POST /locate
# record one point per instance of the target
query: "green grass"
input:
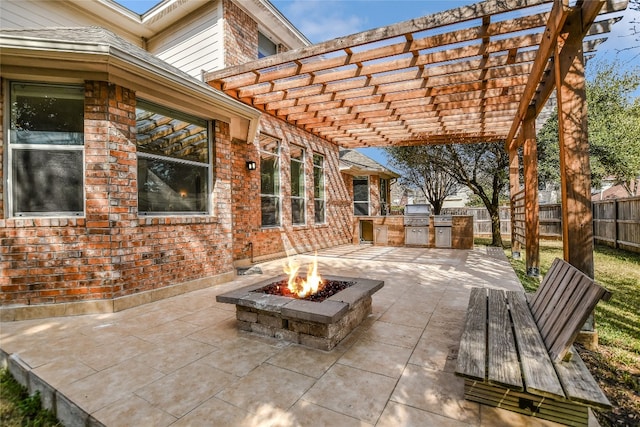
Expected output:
(19, 409)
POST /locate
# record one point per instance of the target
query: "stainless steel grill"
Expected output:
(417, 215)
(443, 221)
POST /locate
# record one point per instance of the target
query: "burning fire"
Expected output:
(299, 286)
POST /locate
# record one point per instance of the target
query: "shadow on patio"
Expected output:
(182, 361)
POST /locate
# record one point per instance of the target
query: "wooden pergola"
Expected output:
(478, 73)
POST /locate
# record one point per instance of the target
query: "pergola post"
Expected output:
(514, 187)
(575, 173)
(532, 211)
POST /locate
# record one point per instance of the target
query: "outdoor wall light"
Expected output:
(251, 165)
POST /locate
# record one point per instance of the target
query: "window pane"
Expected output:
(361, 208)
(173, 161)
(270, 211)
(318, 183)
(47, 181)
(45, 114)
(168, 186)
(171, 134)
(319, 209)
(297, 211)
(269, 175)
(265, 46)
(361, 190)
(297, 179)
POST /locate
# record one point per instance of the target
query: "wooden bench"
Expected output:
(516, 353)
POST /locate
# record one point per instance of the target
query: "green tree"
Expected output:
(614, 128)
(483, 168)
(434, 183)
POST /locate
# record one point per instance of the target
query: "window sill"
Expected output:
(177, 220)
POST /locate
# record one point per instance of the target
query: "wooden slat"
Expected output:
(472, 352)
(578, 383)
(537, 370)
(502, 359)
(560, 411)
(544, 288)
(583, 308)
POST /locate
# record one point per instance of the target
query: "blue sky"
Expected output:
(322, 20)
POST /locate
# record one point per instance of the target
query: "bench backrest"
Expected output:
(562, 304)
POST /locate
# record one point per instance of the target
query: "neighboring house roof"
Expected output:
(95, 53)
(614, 192)
(353, 162)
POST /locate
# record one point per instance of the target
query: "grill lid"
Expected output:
(418, 209)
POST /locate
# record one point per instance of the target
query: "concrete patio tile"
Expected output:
(449, 332)
(167, 332)
(304, 360)
(406, 314)
(62, 371)
(396, 414)
(267, 386)
(377, 357)
(434, 391)
(209, 316)
(225, 331)
(388, 333)
(215, 412)
(434, 354)
(183, 390)
(107, 355)
(168, 357)
(353, 392)
(241, 356)
(307, 414)
(131, 411)
(105, 387)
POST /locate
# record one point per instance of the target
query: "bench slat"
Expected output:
(566, 300)
(543, 293)
(565, 275)
(537, 369)
(503, 367)
(472, 352)
(578, 383)
(565, 335)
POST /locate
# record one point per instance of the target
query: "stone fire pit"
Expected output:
(319, 325)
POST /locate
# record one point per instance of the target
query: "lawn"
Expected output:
(616, 363)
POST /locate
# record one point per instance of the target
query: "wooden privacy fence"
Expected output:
(616, 223)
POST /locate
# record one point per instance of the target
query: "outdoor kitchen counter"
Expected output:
(390, 231)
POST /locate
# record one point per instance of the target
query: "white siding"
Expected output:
(27, 14)
(194, 44)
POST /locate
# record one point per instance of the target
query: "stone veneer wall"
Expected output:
(111, 252)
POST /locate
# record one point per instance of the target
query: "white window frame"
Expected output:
(208, 165)
(322, 197)
(277, 196)
(303, 196)
(11, 148)
(362, 202)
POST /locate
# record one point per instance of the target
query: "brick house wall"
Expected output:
(240, 35)
(112, 258)
(111, 252)
(250, 239)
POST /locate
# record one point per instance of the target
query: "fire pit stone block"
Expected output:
(320, 325)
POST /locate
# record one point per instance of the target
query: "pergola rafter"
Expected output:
(462, 75)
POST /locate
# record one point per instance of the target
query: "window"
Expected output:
(173, 161)
(298, 216)
(361, 195)
(318, 189)
(46, 150)
(384, 197)
(270, 181)
(265, 46)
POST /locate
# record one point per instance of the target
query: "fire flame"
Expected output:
(299, 286)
